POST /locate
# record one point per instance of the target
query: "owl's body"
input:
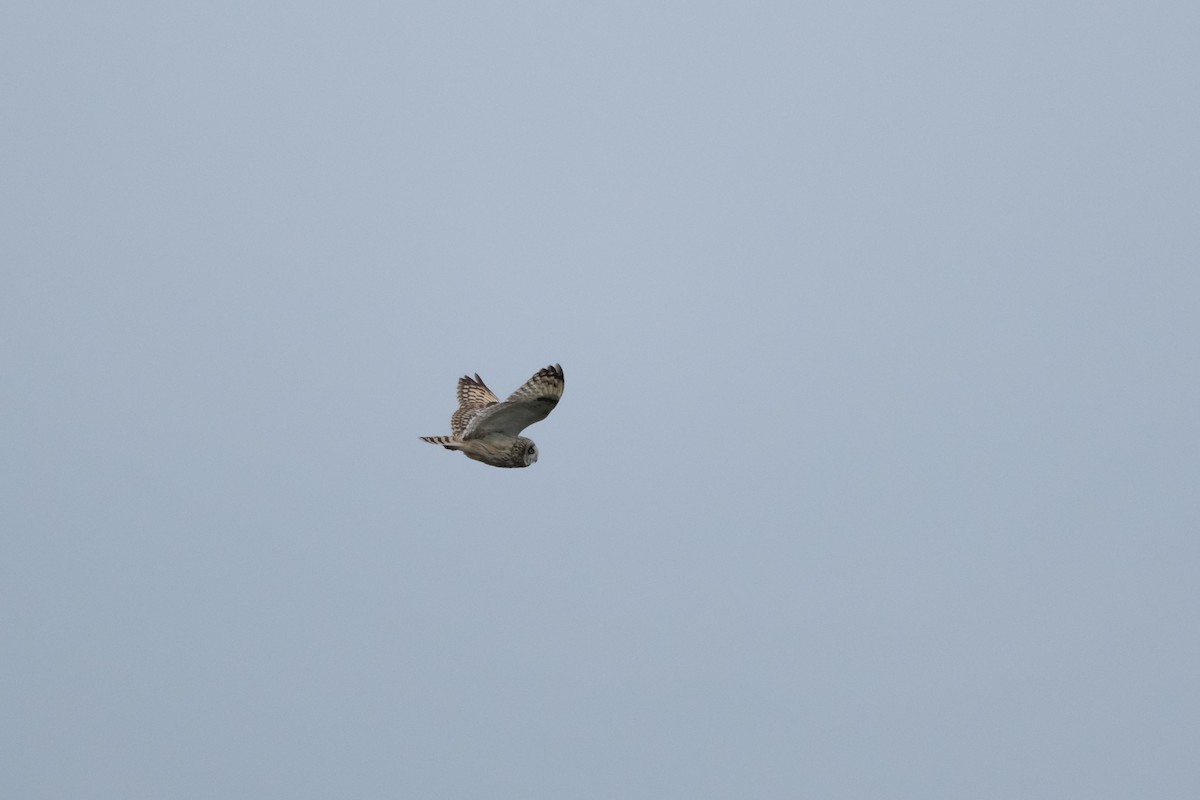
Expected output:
(487, 430)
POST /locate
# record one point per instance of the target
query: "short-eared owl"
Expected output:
(490, 431)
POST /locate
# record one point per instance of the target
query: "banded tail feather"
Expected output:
(448, 442)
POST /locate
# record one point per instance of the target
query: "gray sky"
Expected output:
(877, 473)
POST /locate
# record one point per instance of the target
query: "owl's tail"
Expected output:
(448, 442)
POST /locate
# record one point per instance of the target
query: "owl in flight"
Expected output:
(490, 431)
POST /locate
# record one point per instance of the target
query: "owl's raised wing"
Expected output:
(473, 395)
(532, 403)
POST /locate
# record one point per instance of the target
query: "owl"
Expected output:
(487, 430)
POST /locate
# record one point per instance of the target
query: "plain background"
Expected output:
(877, 473)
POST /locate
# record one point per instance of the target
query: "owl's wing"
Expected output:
(473, 395)
(532, 403)
(473, 392)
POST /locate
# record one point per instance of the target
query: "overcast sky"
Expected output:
(877, 473)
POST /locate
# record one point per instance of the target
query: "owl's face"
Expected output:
(531, 453)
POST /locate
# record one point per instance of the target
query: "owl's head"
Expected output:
(528, 451)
